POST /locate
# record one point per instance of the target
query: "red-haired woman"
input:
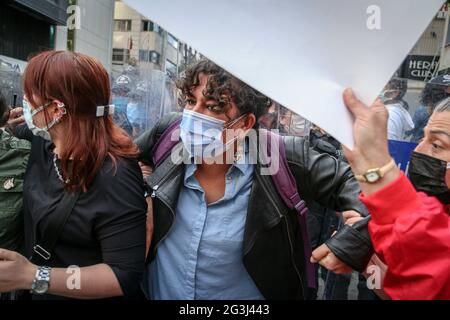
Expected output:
(84, 202)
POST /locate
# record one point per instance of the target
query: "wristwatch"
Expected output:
(41, 282)
(376, 174)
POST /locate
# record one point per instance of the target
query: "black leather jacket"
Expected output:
(273, 249)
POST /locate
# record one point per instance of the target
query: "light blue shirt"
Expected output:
(201, 258)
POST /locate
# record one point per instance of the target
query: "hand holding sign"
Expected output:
(371, 143)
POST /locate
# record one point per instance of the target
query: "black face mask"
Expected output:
(427, 174)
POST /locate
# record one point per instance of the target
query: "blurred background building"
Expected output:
(93, 36)
(429, 58)
(32, 26)
(27, 27)
(139, 42)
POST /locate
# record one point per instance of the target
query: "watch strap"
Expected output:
(42, 274)
(381, 171)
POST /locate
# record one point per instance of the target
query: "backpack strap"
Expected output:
(42, 250)
(165, 143)
(286, 186)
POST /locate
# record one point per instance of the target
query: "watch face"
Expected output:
(372, 177)
(41, 287)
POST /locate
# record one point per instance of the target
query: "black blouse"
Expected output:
(107, 224)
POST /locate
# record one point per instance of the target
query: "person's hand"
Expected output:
(16, 117)
(351, 217)
(16, 272)
(328, 260)
(146, 170)
(371, 143)
(370, 132)
(149, 224)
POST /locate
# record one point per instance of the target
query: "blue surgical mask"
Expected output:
(383, 98)
(29, 114)
(202, 134)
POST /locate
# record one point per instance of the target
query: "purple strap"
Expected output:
(287, 188)
(165, 144)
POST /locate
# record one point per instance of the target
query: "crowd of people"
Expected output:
(187, 210)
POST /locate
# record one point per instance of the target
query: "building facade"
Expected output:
(89, 29)
(139, 42)
(426, 58)
(19, 17)
(27, 28)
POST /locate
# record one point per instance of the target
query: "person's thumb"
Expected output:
(356, 107)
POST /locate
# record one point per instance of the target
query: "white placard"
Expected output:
(301, 53)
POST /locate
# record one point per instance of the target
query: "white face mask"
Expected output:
(28, 115)
(202, 134)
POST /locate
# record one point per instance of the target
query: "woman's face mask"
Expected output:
(133, 112)
(202, 135)
(28, 114)
(431, 176)
(388, 95)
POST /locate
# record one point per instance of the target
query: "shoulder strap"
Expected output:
(286, 186)
(42, 250)
(165, 143)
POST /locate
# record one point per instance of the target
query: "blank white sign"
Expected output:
(301, 53)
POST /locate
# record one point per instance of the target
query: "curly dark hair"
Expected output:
(223, 88)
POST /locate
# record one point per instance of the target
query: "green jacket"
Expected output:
(14, 155)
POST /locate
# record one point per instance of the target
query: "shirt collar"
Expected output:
(189, 172)
(241, 166)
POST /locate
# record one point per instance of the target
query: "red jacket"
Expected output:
(411, 233)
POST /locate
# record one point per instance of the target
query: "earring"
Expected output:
(62, 107)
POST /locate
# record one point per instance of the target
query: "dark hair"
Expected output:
(400, 85)
(432, 94)
(4, 111)
(222, 87)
